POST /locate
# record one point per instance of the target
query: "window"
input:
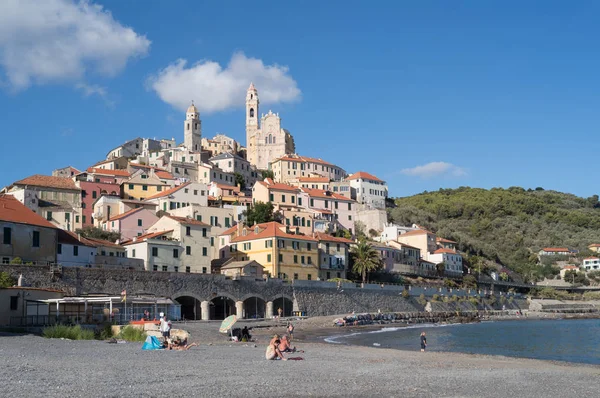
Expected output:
(67, 217)
(204, 270)
(130, 186)
(326, 204)
(165, 268)
(204, 232)
(76, 250)
(5, 260)
(154, 251)
(159, 188)
(59, 249)
(186, 190)
(282, 198)
(49, 216)
(309, 276)
(196, 192)
(212, 240)
(204, 251)
(349, 206)
(296, 245)
(312, 203)
(268, 258)
(349, 218)
(14, 303)
(188, 231)
(281, 243)
(336, 205)
(83, 219)
(144, 176)
(227, 222)
(176, 269)
(133, 253)
(155, 268)
(139, 222)
(36, 239)
(301, 259)
(188, 269)
(338, 247)
(309, 260)
(299, 201)
(188, 250)
(295, 276)
(175, 253)
(271, 198)
(268, 243)
(295, 258)
(293, 199)
(144, 187)
(280, 258)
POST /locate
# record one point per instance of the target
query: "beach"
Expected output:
(35, 366)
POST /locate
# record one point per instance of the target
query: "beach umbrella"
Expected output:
(227, 323)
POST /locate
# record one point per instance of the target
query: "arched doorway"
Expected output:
(285, 304)
(190, 308)
(221, 307)
(254, 307)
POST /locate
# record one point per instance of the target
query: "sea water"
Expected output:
(561, 340)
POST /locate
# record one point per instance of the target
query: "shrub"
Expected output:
(68, 332)
(474, 301)
(435, 297)
(129, 333)
(454, 298)
(421, 300)
(405, 294)
(591, 296)
(106, 332)
(6, 280)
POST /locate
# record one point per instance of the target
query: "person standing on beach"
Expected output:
(279, 312)
(423, 342)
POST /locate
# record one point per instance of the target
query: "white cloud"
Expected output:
(92, 89)
(435, 169)
(52, 41)
(214, 88)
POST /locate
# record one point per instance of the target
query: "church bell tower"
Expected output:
(192, 128)
(251, 122)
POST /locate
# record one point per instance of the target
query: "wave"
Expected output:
(333, 339)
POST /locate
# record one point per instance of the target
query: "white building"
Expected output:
(158, 250)
(208, 172)
(183, 195)
(591, 264)
(451, 259)
(368, 190)
(232, 163)
(72, 251)
(135, 147)
(391, 232)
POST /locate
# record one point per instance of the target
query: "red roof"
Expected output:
(445, 240)
(570, 267)
(164, 174)
(313, 179)
(278, 186)
(102, 242)
(168, 191)
(126, 214)
(415, 232)
(160, 173)
(114, 173)
(229, 231)
(298, 158)
(591, 258)
(364, 175)
(150, 235)
(38, 180)
(185, 220)
(555, 249)
(319, 193)
(447, 251)
(12, 210)
(269, 230)
(331, 238)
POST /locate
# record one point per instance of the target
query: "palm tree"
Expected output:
(366, 259)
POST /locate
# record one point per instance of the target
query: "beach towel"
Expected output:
(295, 359)
(152, 343)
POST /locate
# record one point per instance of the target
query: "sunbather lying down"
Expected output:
(181, 345)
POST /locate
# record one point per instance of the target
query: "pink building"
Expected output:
(90, 192)
(132, 223)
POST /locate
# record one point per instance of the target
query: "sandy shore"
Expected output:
(34, 366)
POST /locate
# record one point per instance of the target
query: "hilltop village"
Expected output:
(165, 206)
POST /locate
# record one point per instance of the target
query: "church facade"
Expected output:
(265, 140)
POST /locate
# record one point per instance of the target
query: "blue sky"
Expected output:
(422, 94)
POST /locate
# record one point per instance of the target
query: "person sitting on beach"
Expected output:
(246, 334)
(284, 345)
(273, 350)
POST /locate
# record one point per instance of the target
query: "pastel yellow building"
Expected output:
(292, 166)
(282, 254)
(142, 186)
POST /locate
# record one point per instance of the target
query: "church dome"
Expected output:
(192, 109)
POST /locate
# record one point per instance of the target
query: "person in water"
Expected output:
(423, 342)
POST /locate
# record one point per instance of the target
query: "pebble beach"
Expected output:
(35, 366)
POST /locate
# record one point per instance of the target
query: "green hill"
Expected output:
(508, 226)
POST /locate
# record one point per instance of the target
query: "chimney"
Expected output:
(239, 229)
(135, 239)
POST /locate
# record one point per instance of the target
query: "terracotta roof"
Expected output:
(331, 238)
(298, 158)
(409, 246)
(71, 238)
(168, 191)
(126, 214)
(447, 251)
(313, 179)
(591, 258)
(364, 175)
(185, 220)
(415, 232)
(324, 211)
(571, 267)
(12, 210)
(38, 180)
(278, 186)
(102, 242)
(225, 186)
(164, 174)
(269, 230)
(150, 235)
(319, 193)
(115, 173)
(160, 173)
(445, 240)
(555, 249)
(139, 202)
(229, 231)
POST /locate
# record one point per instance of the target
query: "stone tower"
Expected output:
(251, 122)
(192, 128)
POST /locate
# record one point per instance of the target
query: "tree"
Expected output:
(97, 233)
(267, 174)
(359, 229)
(440, 268)
(260, 213)
(239, 180)
(6, 280)
(469, 282)
(366, 259)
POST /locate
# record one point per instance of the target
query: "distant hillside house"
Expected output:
(595, 247)
(554, 251)
(591, 264)
(368, 190)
